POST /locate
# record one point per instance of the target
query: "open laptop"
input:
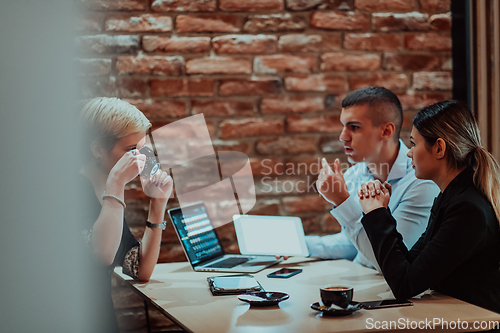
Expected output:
(203, 248)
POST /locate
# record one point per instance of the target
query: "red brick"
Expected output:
(411, 62)
(151, 65)
(254, 86)
(447, 65)
(136, 214)
(182, 87)
(391, 81)
(103, 44)
(91, 67)
(96, 86)
(308, 165)
(338, 61)
(134, 193)
(431, 41)
(385, 5)
(316, 82)
(250, 127)
(311, 224)
(144, 22)
(220, 145)
(219, 65)
(284, 63)
(249, 44)
(286, 145)
(310, 43)
(414, 21)
(207, 23)
(223, 108)
(176, 44)
(250, 5)
(340, 20)
(432, 6)
(432, 81)
(339, 5)
(132, 87)
(267, 166)
(89, 22)
(266, 207)
(331, 145)
(330, 225)
(115, 4)
(157, 109)
(275, 23)
(291, 104)
(372, 41)
(211, 129)
(441, 21)
(184, 5)
(306, 204)
(319, 124)
(302, 4)
(232, 164)
(171, 252)
(334, 101)
(407, 120)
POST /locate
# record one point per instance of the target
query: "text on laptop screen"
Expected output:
(196, 233)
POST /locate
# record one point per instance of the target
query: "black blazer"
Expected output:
(458, 254)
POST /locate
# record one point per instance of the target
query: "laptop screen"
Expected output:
(196, 233)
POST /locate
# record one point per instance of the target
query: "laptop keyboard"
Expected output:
(228, 263)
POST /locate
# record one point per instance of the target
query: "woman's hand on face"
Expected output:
(158, 186)
(128, 166)
(373, 195)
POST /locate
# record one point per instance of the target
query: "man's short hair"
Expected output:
(384, 106)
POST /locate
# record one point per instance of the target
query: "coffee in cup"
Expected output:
(336, 294)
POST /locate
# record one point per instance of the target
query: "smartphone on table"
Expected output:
(386, 303)
(284, 273)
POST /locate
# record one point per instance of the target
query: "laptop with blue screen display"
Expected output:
(203, 248)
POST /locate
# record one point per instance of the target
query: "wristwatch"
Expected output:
(157, 226)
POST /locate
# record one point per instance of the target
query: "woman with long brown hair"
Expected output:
(459, 253)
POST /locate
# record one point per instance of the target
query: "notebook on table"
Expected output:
(202, 246)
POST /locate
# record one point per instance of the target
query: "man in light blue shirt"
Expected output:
(372, 119)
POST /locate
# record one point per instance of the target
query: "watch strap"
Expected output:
(157, 226)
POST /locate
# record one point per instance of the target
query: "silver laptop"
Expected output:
(203, 248)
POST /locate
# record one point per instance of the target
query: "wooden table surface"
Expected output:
(183, 296)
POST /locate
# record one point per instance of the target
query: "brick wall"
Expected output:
(268, 75)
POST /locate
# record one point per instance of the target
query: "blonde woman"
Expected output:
(459, 253)
(114, 132)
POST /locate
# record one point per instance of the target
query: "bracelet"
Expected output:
(104, 196)
(161, 226)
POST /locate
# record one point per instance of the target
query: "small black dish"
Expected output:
(263, 298)
(353, 307)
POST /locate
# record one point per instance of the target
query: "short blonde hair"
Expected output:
(107, 119)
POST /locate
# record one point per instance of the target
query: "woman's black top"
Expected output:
(458, 254)
(99, 289)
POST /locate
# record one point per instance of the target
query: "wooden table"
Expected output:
(183, 296)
